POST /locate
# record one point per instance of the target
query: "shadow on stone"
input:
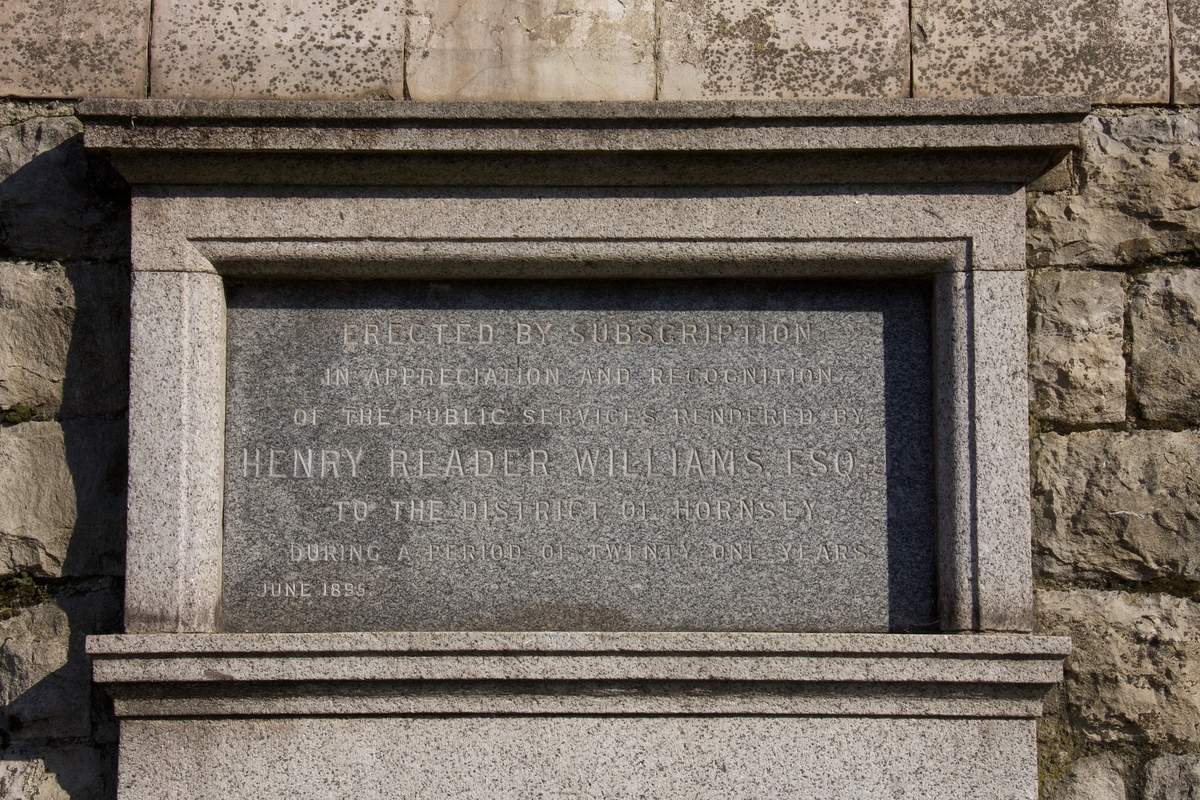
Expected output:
(77, 772)
(96, 381)
(57, 201)
(96, 393)
(48, 692)
(96, 453)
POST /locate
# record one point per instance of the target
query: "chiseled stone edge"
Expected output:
(1037, 125)
(534, 642)
(599, 699)
(730, 143)
(869, 228)
(579, 672)
(508, 111)
(543, 667)
(1000, 451)
(984, 556)
(176, 435)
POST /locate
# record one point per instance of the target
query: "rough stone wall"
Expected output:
(1115, 391)
(1114, 270)
(64, 342)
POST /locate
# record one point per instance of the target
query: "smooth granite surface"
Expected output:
(579, 756)
(601, 455)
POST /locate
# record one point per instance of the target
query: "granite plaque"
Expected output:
(635, 455)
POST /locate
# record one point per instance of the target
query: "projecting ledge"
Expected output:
(577, 673)
(988, 140)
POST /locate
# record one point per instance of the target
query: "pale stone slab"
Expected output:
(985, 578)
(882, 675)
(64, 497)
(1117, 505)
(645, 143)
(1165, 361)
(176, 415)
(1138, 201)
(262, 658)
(490, 716)
(1133, 674)
(64, 337)
(435, 232)
(1095, 778)
(74, 48)
(1076, 363)
(35, 334)
(515, 757)
(550, 643)
(544, 50)
(741, 49)
(1185, 35)
(278, 48)
(1172, 777)
(516, 217)
(1000, 420)
(1042, 47)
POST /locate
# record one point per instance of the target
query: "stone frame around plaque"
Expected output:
(979, 307)
(908, 189)
(203, 212)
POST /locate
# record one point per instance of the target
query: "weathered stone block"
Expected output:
(544, 50)
(56, 200)
(1185, 27)
(1139, 197)
(63, 488)
(1172, 777)
(72, 772)
(73, 48)
(46, 702)
(64, 337)
(1165, 361)
(35, 334)
(1059, 178)
(1117, 51)
(1095, 778)
(792, 49)
(1076, 365)
(278, 48)
(1111, 505)
(1134, 670)
(47, 691)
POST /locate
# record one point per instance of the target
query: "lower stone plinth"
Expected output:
(577, 714)
(577, 756)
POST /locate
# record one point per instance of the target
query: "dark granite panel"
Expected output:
(608, 455)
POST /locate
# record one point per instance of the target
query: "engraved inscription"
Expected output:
(578, 455)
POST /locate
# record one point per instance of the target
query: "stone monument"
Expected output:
(615, 449)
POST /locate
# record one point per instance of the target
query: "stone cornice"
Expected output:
(189, 142)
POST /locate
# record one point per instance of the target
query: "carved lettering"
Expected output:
(667, 455)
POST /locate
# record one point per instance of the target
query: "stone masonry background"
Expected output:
(1113, 259)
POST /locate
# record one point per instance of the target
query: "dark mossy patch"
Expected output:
(21, 591)
(16, 413)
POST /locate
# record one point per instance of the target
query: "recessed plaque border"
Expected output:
(982, 534)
